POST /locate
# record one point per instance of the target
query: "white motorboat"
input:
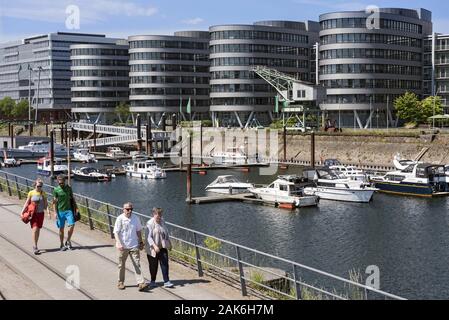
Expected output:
(9, 162)
(228, 185)
(233, 156)
(351, 172)
(115, 153)
(286, 190)
(419, 179)
(89, 174)
(331, 185)
(44, 167)
(36, 149)
(84, 155)
(145, 170)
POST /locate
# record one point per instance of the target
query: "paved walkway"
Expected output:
(25, 276)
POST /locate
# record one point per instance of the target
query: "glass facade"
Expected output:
(362, 23)
(160, 81)
(367, 63)
(236, 49)
(105, 84)
(371, 38)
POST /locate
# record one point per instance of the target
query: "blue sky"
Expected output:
(120, 18)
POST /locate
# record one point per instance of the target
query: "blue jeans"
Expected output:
(162, 258)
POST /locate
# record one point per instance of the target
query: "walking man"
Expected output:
(128, 235)
(64, 208)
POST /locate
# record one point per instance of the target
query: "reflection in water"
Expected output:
(408, 238)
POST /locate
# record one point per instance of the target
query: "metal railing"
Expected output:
(118, 131)
(108, 141)
(253, 271)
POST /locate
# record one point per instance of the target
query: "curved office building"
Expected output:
(238, 96)
(99, 78)
(167, 71)
(368, 59)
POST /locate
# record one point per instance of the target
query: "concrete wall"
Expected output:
(357, 150)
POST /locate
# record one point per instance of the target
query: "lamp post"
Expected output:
(29, 94)
(434, 98)
(38, 88)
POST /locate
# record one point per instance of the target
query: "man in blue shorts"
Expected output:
(64, 205)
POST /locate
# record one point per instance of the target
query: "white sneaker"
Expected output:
(168, 284)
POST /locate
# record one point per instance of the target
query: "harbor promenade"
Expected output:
(25, 276)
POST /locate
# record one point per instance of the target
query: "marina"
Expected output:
(391, 231)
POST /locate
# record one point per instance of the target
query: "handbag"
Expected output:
(76, 213)
(29, 213)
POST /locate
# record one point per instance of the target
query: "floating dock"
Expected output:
(243, 197)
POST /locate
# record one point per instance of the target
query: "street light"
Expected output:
(434, 98)
(29, 94)
(38, 88)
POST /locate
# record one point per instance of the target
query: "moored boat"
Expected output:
(84, 155)
(286, 190)
(228, 185)
(145, 170)
(44, 167)
(419, 179)
(89, 174)
(331, 185)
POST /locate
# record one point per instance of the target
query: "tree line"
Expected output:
(10, 109)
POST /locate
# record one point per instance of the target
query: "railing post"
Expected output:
(1, 187)
(111, 227)
(198, 258)
(7, 184)
(297, 286)
(242, 274)
(17, 187)
(28, 185)
(89, 215)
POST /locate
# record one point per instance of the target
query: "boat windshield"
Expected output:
(228, 179)
(330, 175)
(88, 170)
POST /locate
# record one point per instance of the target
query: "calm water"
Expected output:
(407, 238)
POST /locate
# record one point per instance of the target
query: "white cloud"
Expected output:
(193, 21)
(91, 11)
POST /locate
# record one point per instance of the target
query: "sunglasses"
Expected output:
(38, 186)
(129, 209)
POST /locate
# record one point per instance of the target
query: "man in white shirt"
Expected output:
(128, 235)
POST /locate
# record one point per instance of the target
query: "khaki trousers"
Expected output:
(135, 258)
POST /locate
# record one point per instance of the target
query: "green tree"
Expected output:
(122, 110)
(20, 110)
(408, 107)
(6, 107)
(427, 108)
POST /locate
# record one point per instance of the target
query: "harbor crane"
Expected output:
(294, 94)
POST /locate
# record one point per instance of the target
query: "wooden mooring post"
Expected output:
(312, 149)
(189, 172)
